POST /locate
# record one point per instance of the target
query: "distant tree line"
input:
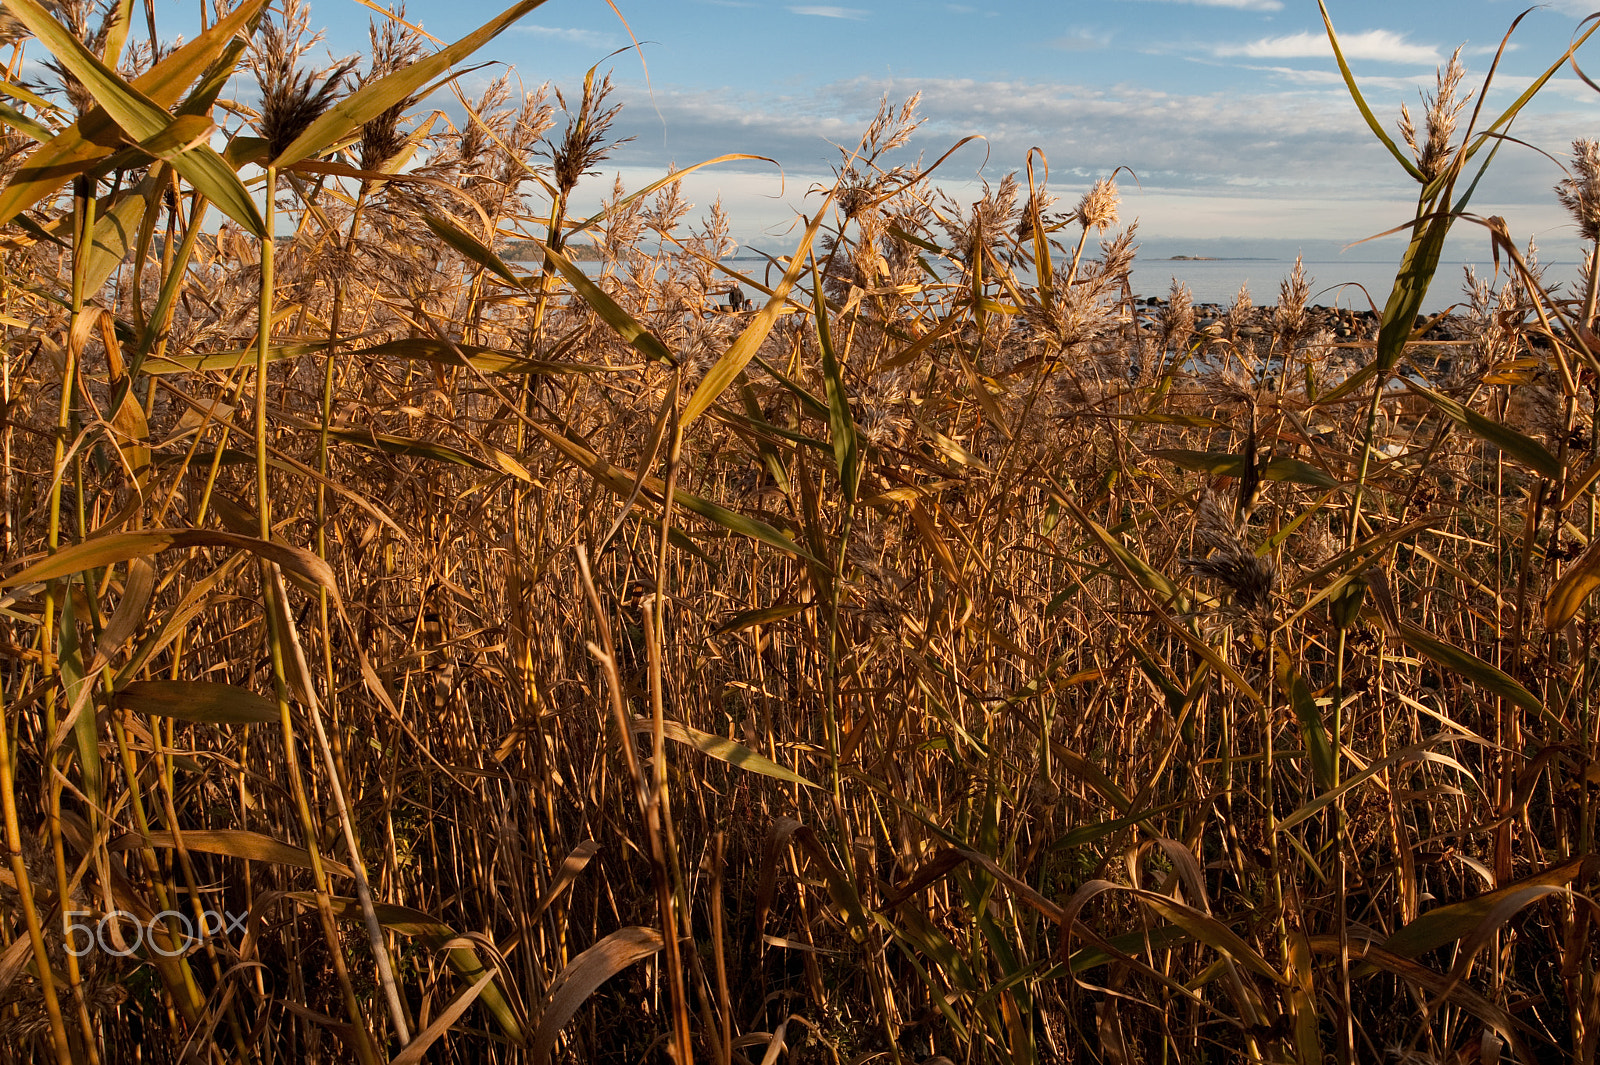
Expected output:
(525, 251)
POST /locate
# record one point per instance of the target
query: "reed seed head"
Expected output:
(1250, 579)
(1579, 192)
(1098, 208)
(291, 98)
(1289, 317)
(1442, 111)
(394, 45)
(584, 145)
(1177, 323)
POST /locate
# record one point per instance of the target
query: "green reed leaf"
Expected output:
(1360, 101)
(812, 405)
(232, 843)
(1575, 586)
(1219, 462)
(118, 547)
(1192, 421)
(22, 123)
(205, 702)
(1524, 449)
(1417, 267)
(625, 324)
(582, 976)
(17, 92)
(842, 428)
(229, 360)
(1319, 749)
(489, 360)
(1348, 385)
(471, 247)
(1086, 834)
(733, 361)
(115, 228)
(622, 482)
(723, 750)
(766, 615)
(143, 119)
(1153, 579)
(1511, 112)
(94, 136)
(1443, 925)
(437, 936)
(1464, 663)
(405, 445)
(1414, 752)
(118, 23)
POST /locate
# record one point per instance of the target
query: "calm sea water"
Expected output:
(1218, 280)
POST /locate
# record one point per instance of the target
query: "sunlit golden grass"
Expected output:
(942, 658)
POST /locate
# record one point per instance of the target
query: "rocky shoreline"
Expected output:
(1345, 324)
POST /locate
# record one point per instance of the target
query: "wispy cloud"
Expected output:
(828, 11)
(1369, 82)
(1300, 161)
(1382, 46)
(1081, 41)
(584, 38)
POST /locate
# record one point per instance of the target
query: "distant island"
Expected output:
(1220, 259)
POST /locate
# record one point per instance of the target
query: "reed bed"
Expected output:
(940, 658)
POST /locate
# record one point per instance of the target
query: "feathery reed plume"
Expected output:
(1098, 207)
(1038, 206)
(76, 16)
(623, 225)
(667, 208)
(1221, 525)
(1579, 192)
(291, 98)
(394, 44)
(12, 31)
(533, 120)
(890, 128)
(860, 184)
(583, 144)
(471, 152)
(989, 223)
(1442, 111)
(1177, 321)
(1289, 318)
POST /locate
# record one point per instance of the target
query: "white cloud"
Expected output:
(1271, 163)
(1383, 46)
(583, 38)
(828, 11)
(1080, 41)
(1406, 87)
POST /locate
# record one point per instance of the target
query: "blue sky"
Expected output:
(1230, 112)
